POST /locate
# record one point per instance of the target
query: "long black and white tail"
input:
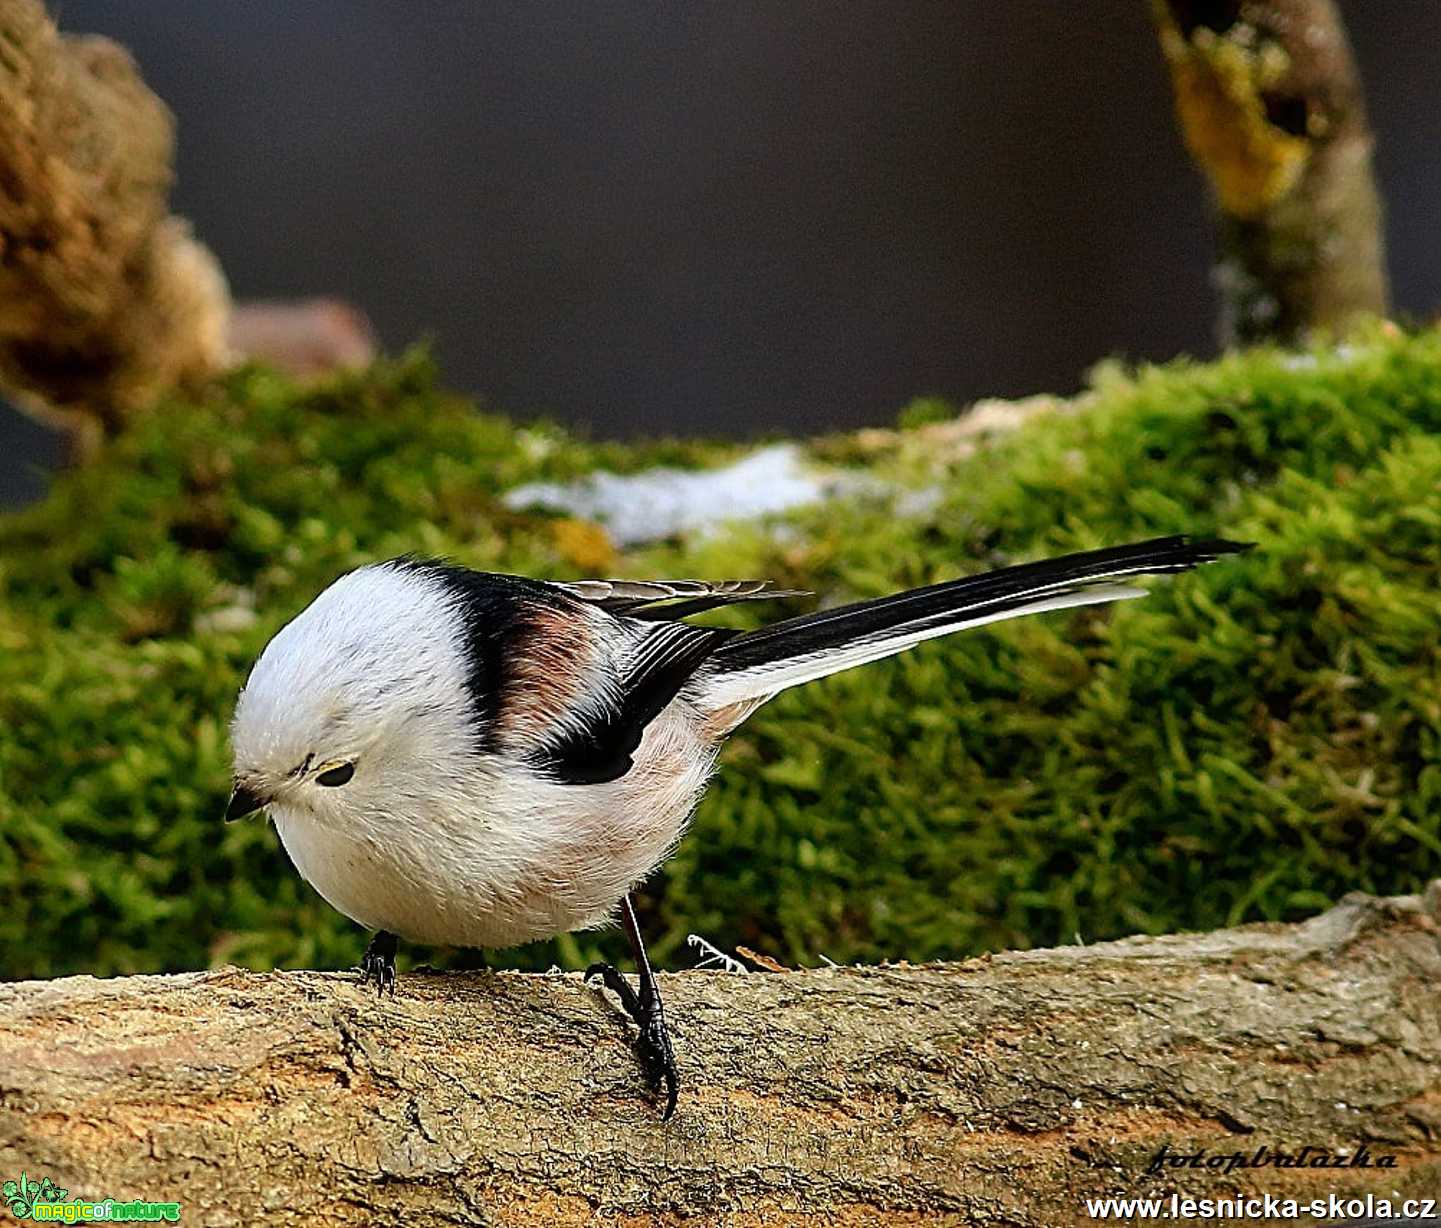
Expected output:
(760, 663)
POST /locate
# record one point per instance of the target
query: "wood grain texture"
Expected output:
(1001, 1090)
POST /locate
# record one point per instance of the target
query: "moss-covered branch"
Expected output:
(1004, 1090)
(1271, 108)
(105, 299)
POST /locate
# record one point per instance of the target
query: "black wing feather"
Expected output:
(662, 663)
(664, 658)
(502, 612)
(671, 599)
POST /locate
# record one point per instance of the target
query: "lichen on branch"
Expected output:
(1271, 108)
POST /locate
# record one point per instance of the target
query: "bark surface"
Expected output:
(1272, 110)
(106, 301)
(1002, 1090)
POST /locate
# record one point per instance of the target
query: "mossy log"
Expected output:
(1002, 1090)
(1271, 108)
(106, 301)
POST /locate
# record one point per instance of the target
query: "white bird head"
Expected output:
(358, 702)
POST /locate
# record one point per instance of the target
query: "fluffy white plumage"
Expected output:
(433, 838)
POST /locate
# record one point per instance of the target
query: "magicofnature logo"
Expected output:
(46, 1201)
(21, 1196)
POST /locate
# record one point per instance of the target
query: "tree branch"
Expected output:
(1271, 108)
(1003, 1089)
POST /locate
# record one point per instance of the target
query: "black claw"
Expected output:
(378, 962)
(618, 985)
(659, 1060)
(652, 1045)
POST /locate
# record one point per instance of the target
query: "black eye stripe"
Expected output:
(336, 775)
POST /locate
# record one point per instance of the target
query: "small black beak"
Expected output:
(242, 802)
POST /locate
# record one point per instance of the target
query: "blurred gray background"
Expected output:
(726, 218)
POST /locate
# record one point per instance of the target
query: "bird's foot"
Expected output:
(653, 1044)
(378, 962)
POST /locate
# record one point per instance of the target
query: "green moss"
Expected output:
(1249, 742)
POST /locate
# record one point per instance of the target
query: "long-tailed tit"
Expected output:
(481, 760)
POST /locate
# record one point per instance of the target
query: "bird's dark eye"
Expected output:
(336, 775)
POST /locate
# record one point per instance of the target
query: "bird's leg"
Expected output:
(653, 1044)
(378, 962)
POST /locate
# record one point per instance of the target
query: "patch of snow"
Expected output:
(920, 503)
(1308, 361)
(664, 502)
